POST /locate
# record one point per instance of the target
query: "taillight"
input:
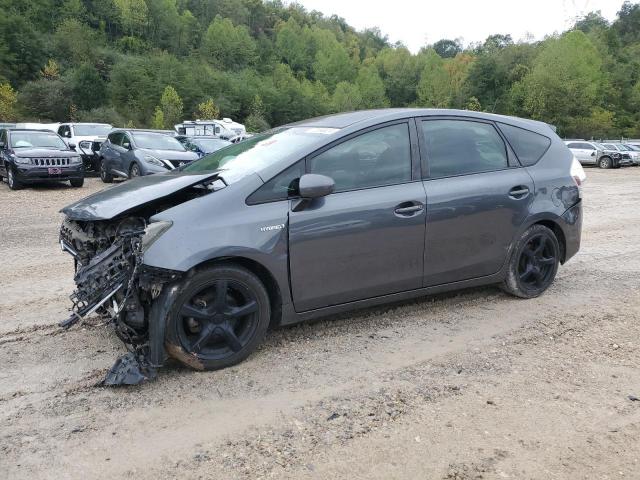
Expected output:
(577, 172)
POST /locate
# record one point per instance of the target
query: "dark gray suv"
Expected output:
(133, 153)
(318, 217)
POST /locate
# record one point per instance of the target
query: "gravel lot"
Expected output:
(461, 386)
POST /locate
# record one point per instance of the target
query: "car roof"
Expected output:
(143, 130)
(368, 117)
(85, 123)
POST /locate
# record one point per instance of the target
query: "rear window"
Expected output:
(528, 146)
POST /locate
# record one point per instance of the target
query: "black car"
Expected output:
(34, 156)
(203, 145)
(319, 217)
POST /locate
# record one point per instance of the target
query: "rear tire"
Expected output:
(605, 162)
(533, 264)
(14, 183)
(76, 182)
(218, 319)
(105, 176)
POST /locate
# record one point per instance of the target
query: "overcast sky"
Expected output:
(418, 22)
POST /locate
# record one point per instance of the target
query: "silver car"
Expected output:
(596, 154)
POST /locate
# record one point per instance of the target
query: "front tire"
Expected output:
(134, 171)
(218, 319)
(14, 183)
(76, 182)
(533, 264)
(605, 162)
(105, 175)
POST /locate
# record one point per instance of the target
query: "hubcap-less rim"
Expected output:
(218, 320)
(537, 262)
(10, 178)
(135, 172)
(103, 170)
(605, 163)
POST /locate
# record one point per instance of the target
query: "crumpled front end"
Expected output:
(112, 281)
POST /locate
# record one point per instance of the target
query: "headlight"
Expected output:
(153, 160)
(153, 232)
(21, 160)
(74, 160)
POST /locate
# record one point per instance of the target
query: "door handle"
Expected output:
(408, 210)
(519, 192)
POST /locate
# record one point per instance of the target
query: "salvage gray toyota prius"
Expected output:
(318, 217)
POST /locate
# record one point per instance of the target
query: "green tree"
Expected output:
(447, 48)
(256, 122)
(157, 121)
(228, 46)
(434, 89)
(333, 64)
(22, 50)
(171, 105)
(45, 100)
(133, 16)
(564, 82)
(8, 101)
(346, 97)
(87, 87)
(295, 45)
(371, 88)
(207, 110)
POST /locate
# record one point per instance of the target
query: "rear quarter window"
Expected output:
(528, 146)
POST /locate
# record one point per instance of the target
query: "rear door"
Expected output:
(367, 238)
(477, 198)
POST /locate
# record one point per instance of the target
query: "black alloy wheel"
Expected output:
(219, 319)
(534, 263)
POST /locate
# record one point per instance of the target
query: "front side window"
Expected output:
(376, 158)
(280, 187)
(115, 138)
(126, 143)
(574, 145)
(462, 147)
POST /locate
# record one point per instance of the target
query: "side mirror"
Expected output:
(72, 146)
(315, 186)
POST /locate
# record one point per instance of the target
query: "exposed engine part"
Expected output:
(111, 280)
(129, 370)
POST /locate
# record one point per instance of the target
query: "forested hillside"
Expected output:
(155, 62)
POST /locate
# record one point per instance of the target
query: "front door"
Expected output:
(367, 238)
(477, 199)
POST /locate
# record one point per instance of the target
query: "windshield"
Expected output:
(609, 146)
(37, 139)
(633, 147)
(256, 153)
(624, 148)
(210, 144)
(157, 141)
(95, 130)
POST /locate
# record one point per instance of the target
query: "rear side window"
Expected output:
(280, 187)
(528, 146)
(462, 147)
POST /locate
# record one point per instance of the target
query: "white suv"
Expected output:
(86, 139)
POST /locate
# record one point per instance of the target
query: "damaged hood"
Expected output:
(111, 202)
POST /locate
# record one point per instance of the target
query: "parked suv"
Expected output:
(86, 138)
(625, 151)
(319, 217)
(33, 156)
(133, 153)
(592, 153)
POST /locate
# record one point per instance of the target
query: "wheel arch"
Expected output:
(558, 232)
(259, 270)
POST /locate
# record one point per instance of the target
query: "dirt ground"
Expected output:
(472, 385)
